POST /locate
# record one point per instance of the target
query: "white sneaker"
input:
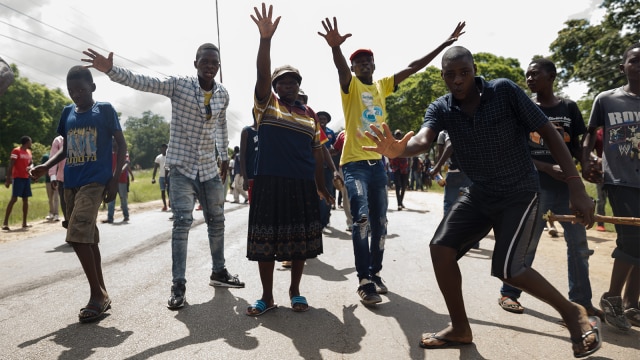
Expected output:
(49, 217)
(56, 218)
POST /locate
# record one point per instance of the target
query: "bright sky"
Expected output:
(160, 38)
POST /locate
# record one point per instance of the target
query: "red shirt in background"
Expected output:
(22, 160)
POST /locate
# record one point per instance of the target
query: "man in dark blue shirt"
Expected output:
(489, 123)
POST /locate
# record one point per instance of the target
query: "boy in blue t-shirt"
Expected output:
(88, 127)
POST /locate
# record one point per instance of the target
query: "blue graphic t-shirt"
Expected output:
(88, 136)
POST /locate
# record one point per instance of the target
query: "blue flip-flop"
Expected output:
(261, 306)
(299, 303)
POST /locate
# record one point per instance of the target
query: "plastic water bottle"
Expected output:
(439, 179)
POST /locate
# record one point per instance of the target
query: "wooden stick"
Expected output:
(632, 221)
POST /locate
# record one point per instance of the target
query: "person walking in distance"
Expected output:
(18, 175)
(123, 189)
(400, 168)
(159, 163)
(363, 103)
(56, 172)
(198, 126)
(249, 147)
(52, 195)
(238, 180)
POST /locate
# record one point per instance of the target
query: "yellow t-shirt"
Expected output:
(362, 106)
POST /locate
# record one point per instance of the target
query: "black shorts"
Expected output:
(625, 201)
(511, 217)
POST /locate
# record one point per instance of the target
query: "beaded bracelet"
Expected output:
(571, 177)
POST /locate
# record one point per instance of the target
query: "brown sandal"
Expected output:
(510, 305)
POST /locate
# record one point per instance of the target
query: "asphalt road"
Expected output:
(42, 287)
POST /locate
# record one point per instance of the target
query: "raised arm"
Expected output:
(415, 66)
(334, 40)
(267, 27)
(98, 61)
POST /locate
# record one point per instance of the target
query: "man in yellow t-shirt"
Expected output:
(363, 104)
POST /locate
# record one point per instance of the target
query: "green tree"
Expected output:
(493, 67)
(144, 136)
(591, 53)
(28, 109)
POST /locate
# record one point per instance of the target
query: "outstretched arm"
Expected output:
(98, 61)
(267, 27)
(334, 39)
(408, 146)
(415, 66)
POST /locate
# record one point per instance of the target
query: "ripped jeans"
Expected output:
(183, 194)
(366, 184)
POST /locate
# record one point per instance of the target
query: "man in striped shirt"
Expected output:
(198, 131)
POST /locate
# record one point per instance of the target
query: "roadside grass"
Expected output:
(141, 190)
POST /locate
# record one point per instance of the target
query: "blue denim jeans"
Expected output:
(183, 193)
(366, 184)
(455, 181)
(124, 202)
(556, 199)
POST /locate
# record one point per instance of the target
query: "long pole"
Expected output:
(218, 29)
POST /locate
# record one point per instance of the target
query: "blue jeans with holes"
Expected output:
(366, 184)
(183, 193)
(556, 199)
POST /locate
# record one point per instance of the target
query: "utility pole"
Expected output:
(218, 29)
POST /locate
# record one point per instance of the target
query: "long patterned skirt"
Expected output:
(284, 220)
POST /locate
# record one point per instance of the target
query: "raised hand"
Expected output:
(332, 35)
(264, 20)
(386, 144)
(98, 61)
(456, 33)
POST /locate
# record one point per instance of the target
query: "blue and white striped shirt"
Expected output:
(192, 139)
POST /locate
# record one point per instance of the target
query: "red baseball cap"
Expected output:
(360, 52)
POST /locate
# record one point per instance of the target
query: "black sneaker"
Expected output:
(177, 298)
(368, 294)
(224, 279)
(381, 288)
(614, 312)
